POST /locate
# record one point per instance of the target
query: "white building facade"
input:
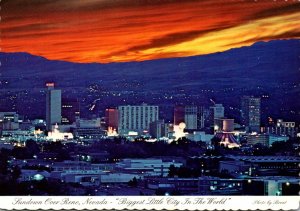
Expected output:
(136, 118)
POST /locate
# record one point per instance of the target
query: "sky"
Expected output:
(107, 31)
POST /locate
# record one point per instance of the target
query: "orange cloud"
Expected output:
(134, 30)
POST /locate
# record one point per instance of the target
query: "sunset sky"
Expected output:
(135, 30)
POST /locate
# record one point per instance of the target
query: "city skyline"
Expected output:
(196, 80)
(194, 98)
(128, 30)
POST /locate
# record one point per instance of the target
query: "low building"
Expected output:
(84, 173)
(272, 186)
(235, 167)
(265, 165)
(200, 136)
(89, 133)
(219, 186)
(148, 167)
(206, 163)
(6, 145)
(88, 123)
(267, 186)
(18, 135)
(9, 121)
(185, 186)
(91, 156)
(83, 178)
(72, 166)
(282, 128)
(253, 139)
(113, 178)
(29, 175)
(26, 125)
(274, 138)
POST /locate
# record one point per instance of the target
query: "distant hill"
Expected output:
(264, 64)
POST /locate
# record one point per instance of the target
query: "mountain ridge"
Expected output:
(215, 53)
(274, 61)
(219, 52)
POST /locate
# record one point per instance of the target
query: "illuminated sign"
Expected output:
(50, 84)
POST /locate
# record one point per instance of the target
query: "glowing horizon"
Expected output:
(135, 30)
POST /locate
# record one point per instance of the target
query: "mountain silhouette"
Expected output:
(264, 64)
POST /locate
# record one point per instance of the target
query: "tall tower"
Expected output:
(53, 106)
(250, 113)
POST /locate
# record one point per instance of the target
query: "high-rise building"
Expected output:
(216, 112)
(70, 111)
(192, 116)
(159, 129)
(53, 106)
(136, 118)
(112, 118)
(179, 114)
(250, 113)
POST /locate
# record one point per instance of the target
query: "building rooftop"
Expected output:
(266, 158)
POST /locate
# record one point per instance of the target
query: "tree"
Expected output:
(21, 153)
(4, 154)
(133, 182)
(215, 142)
(172, 171)
(15, 172)
(259, 149)
(32, 146)
(281, 146)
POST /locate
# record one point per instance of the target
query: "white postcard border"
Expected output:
(150, 202)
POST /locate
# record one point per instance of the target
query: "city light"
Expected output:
(149, 99)
(179, 131)
(56, 135)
